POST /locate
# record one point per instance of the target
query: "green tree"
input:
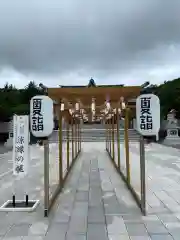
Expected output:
(16, 101)
(169, 94)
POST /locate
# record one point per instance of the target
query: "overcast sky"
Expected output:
(70, 41)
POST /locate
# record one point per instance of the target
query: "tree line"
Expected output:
(16, 101)
(169, 95)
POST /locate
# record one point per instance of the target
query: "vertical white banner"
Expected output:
(41, 116)
(148, 114)
(20, 145)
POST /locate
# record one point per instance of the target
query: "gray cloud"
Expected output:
(105, 38)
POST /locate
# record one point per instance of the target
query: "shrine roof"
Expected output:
(84, 86)
(85, 95)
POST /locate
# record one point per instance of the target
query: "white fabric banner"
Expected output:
(20, 145)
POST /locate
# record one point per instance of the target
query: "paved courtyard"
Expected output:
(95, 203)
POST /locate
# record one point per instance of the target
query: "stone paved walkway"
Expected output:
(95, 204)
